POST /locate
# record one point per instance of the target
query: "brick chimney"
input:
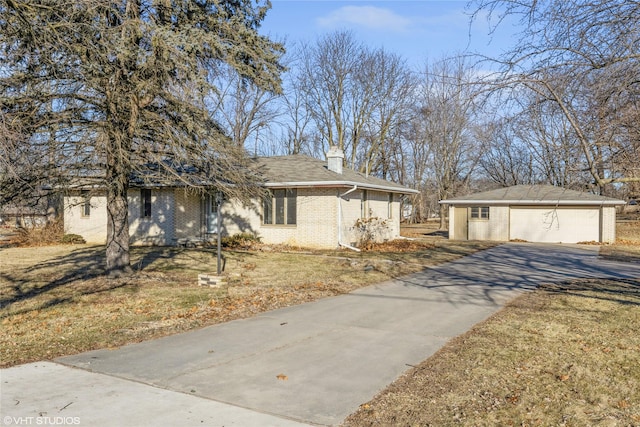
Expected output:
(335, 156)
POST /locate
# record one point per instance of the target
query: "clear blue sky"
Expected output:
(415, 29)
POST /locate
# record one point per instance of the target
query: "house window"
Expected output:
(145, 203)
(390, 206)
(86, 203)
(280, 207)
(480, 212)
(364, 205)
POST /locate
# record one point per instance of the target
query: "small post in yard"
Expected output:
(219, 229)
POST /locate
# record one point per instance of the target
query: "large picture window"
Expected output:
(480, 212)
(279, 207)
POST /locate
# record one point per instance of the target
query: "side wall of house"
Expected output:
(381, 220)
(238, 218)
(350, 212)
(93, 228)
(158, 229)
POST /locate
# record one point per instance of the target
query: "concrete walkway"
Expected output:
(309, 364)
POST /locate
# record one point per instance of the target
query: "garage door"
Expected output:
(553, 225)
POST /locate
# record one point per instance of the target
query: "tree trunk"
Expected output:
(443, 217)
(117, 179)
(118, 263)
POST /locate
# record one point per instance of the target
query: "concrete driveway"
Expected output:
(314, 363)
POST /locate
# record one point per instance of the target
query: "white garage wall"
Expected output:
(555, 224)
(499, 223)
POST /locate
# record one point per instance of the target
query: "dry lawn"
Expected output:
(54, 300)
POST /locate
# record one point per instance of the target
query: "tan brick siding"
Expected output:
(316, 223)
(188, 214)
(237, 218)
(383, 218)
(177, 214)
(608, 224)
(158, 229)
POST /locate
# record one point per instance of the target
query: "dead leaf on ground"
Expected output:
(623, 404)
(282, 377)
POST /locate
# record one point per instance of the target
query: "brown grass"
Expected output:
(627, 246)
(54, 300)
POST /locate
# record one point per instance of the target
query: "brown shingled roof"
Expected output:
(303, 171)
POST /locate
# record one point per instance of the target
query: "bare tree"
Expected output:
(355, 97)
(328, 68)
(297, 138)
(446, 108)
(413, 157)
(391, 84)
(119, 88)
(505, 158)
(582, 57)
(242, 107)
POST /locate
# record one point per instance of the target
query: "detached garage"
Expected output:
(533, 213)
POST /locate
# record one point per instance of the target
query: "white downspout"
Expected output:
(340, 196)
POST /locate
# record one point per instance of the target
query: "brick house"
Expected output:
(311, 203)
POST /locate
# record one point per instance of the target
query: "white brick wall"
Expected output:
(92, 228)
(188, 214)
(608, 224)
(158, 229)
(237, 218)
(316, 221)
(499, 223)
(177, 214)
(377, 207)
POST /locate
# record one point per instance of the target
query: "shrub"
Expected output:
(240, 241)
(49, 234)
(72, 239)
(370, 231)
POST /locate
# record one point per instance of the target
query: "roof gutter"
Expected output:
(533, 202)
(340, 196)
(342, 184)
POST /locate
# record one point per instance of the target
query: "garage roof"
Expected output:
(534, 195)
